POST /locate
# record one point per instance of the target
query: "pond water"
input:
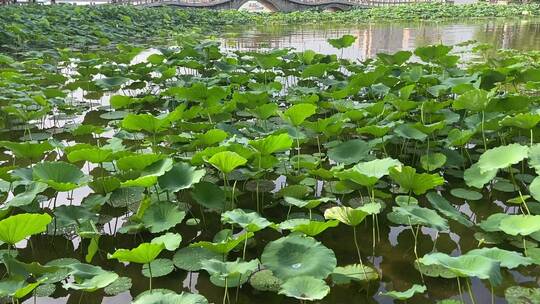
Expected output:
(388, 37)
(393, 253)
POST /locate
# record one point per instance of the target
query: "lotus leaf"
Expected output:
(296, 255)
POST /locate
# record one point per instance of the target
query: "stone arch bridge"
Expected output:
(276, 5)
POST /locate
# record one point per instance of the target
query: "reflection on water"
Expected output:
(373, 38)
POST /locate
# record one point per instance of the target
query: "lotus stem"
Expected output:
(415, 235)
(471, 295)
(319, 145)
(225, 292)
(358, 252)
(244, 250)
(373, 232)
(298, 155)
(460, 291)
(257, 195)
(150, 271)
(232, 194)
(483, 132)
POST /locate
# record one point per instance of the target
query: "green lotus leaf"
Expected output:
(138, 162)
(296, 255)
(522, 295)
(92, 155)
(354, 272)
(265, 111)
(162, 297)
(305, 288)
(209, 195)
(27, 150)
(406, 200)
(211, 137)
(521, 120)
(122, 284)
(272, 143)
(162, 216)
(466, 194)
(371, 208)
(142, 254)
(534, 157)
(376, 131)
(27, 197)
(111, 83)
(520, 224)
(223, 246)
(446, 208)
(121, 101)
(251, 221)
(170, 240)
(409, 180)
(126, 197)
(229, 273)
(18, 227)
(344, 41)
(502, 157)
(89, 278)
(349, 152)
(264, 280)
(145, 122)
(310, 204)
(473, 100)
(408, 131)
(432, 161)
(493, 222)
(45, 290)
(459, 138)
(72, 215)
(407, 294)
(160, 268)
(26, 270)
(181, 176)
(415, 215)
(149, 176)
(346, 215)
(466, 266)
(17, 288)
(474, 177)
(368, 173)
(227, 161)
(298, 113)
(61, 176)
(190, 258)
(313, 228)
(104, 185)
(432, 53)
(534, 188)
(508, 259)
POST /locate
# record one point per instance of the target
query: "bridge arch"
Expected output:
(267, 4)
(335, 7)
(271, 5)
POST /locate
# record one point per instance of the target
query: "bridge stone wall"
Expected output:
(273, 5)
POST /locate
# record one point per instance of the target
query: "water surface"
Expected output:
(388, 37)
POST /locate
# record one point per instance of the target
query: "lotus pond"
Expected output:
(191, 173)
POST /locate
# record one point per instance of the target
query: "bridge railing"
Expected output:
(394, 2)
(314, 2)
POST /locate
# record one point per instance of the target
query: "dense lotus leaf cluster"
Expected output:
(135, 168)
